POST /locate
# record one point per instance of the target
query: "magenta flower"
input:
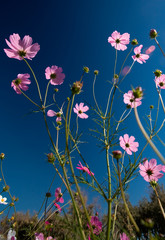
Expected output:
(39, 236)
(128, 144)
(130, 99)
(123, 236)
(21, 48)
(57, 206)
(52, 113)
(160, 81)
(80, 109)
(139, 57)
(96, 225)
(55, 74)
(58, 195)
(50, 238)
(84, 169)
(150, 171)
(21, 81)
(163, 168)
(118, 41)
(150, 49)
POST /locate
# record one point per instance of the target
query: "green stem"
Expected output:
(147, 137)
(126, 73)
(125, 61)
(109, 197)
(124, 200)
(159, 46)
(94, 94)
(39, 92)
(67, 130)
(46, 93)
(27, 97)
(160, 204)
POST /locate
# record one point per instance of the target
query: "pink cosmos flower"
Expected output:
(39, 236)
(150, 170)
(50, 238)
(84, 169)
(55, 74)
(11, 235)
(58, 195)
(52, 113)
(80, 109)
(163, 168)
(139, 57)
(118, 41)
(123, 236)
(96, 225)
(21, 48)
(150, 49)
(21, 81)
(160, 81)
(57, 206)
(128, 144)
(130, 99)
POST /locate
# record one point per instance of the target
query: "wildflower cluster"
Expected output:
(108, 128)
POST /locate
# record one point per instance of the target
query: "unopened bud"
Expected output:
(86, 69)
(76, 87)
(134, 42)
(6, 188)
(128, 106)
(117, 154)
(151, 106)
(51, 157)
(48, 194)
(2, 156)
(96, 72)
(153, 183)
(138, 92)
(56, 89)
(158, 73)
(59, 123)
(153, 33)
(11, 204)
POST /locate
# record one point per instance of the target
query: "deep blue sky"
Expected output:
(71, 34)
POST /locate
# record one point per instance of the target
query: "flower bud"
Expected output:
(6, 188)
(51, 157)
(147, 223)
(76, 87)
(48, 194)
(153, 183)
(96, 72)
(117, 154)
(151, 106)
(158, 73)
(128, 106)
(59, 123)
(2, 156)
(11, 204)
(56, 89)
(134, 42)
(153, 33)
(12, 218)
(86, 69)
(138, 92)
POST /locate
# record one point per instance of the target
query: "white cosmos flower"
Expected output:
(3, 200)
(11, 235)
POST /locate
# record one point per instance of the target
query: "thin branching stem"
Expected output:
(147, 137)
